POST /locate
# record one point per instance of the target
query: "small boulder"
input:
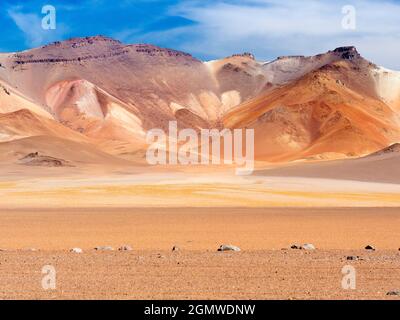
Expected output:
(175, 248)
(76, 250)
(228, 247)
(369, 247)
(353, 258)
(393, 293)
(308, 246)
(339, 82)
(104, 248)
(125, 248)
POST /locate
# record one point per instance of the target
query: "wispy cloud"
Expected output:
(212, 29)
(270, 27)
(31, 26)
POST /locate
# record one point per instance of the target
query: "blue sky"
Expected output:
(211, 29)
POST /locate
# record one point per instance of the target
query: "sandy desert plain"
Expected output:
(263, 215)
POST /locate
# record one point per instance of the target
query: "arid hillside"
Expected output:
(101, 92)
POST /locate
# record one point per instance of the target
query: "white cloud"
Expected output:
(270, 27)
(126, 34)
(31, 25)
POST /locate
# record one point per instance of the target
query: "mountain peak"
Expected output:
(347, 53)
(345, 49)
(244, 55)
(95, 38)
(78, 41)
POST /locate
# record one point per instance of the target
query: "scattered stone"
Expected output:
(354, 258)
(36, 159)
(393, 293)
(340, 82)
(125, 248)
(4, 88)
(308, 246)
(370, 248)
(104, 248)
(76, 250)
(228, 247)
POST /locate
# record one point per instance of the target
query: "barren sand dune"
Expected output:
(382, 166)
(78, 153)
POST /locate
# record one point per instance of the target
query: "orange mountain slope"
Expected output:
(103, 92)
(331, 112)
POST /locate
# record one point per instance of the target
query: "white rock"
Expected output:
(104, 248)
(76, 250)
(228, 247)
(308, 246)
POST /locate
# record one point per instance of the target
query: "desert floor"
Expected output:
(264, 269)
(34, 187)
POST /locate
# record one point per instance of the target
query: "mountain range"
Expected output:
(93, 99)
